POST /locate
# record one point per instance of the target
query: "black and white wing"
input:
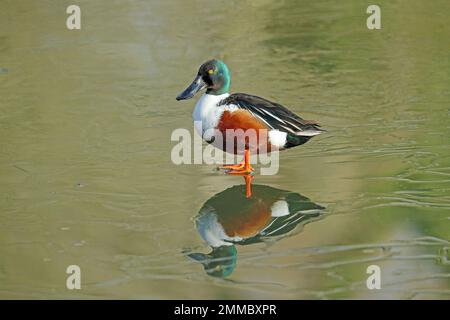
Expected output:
(274, 115)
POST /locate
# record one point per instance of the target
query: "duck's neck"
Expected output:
(212, 99)
(208, 102)
(218, 92)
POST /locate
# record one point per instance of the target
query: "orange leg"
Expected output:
(248, 185)
(242, 168)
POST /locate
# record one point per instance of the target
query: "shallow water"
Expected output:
(85, 124)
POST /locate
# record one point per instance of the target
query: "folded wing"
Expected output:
(274, 115)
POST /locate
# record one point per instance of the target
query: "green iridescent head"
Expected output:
(213, 76)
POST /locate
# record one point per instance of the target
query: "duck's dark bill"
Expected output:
(196, 85)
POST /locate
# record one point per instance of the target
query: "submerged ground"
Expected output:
(85, 124)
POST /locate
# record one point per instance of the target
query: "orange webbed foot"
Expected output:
(240, 169)
(239, 166)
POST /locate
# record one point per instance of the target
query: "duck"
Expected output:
(229, 219)
(217, 112)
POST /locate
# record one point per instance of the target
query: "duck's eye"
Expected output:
(211, 71)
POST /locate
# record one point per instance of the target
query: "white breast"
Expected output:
(212, 231)
(207, 114)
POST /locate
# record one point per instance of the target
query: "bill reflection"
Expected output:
(232, 218)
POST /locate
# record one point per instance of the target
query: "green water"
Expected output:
(85, 124)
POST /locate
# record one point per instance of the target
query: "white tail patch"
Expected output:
(277, 138)
(280, 209)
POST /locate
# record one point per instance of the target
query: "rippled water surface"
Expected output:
(86, 177)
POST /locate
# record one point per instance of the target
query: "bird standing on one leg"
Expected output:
(218, 111)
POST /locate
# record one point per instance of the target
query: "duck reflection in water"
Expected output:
(233, 217)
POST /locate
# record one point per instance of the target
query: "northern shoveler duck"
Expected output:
(220, 111)
(229, 218)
